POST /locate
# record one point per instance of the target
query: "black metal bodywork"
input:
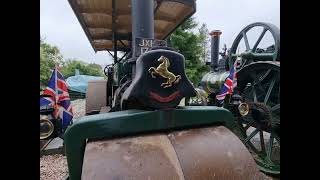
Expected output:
(151, 94)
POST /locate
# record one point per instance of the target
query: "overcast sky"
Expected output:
(59, 26)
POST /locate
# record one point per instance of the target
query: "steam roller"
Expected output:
(173, 144)
(144, 134)
(204, 153)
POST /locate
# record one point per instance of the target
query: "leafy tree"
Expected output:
(69, 67)
(205, 39)
(51, 52)
(49, 57)
(193, 46)
(189, 24)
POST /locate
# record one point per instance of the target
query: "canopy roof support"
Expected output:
(114, 30)
(105, 22)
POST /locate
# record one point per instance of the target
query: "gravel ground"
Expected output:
(54, 167)
(79, 108)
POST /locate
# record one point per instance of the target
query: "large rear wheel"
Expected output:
(259, 86)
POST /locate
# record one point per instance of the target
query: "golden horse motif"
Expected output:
(162, 70)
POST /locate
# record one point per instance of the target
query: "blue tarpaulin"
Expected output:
(79, 83)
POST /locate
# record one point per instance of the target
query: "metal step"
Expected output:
(54, 147)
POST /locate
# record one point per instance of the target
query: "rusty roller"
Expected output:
(205, 153)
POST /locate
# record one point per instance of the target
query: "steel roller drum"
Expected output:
(205, 153)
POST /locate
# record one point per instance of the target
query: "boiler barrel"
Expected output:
(213, 81)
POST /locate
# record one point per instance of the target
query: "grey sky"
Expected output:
(59, 25)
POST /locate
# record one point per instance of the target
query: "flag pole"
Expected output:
(56, 83)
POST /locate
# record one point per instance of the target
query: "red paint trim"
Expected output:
(215, 33)
(164, 99)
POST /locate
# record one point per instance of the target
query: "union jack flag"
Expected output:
(60, 99)
(229, 85)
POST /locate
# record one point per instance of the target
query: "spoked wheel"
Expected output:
(259, 85)
(199, 100)
(248, 48)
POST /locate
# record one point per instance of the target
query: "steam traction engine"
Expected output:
(257, 96)
(134, 128)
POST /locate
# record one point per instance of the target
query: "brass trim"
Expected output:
(162, 70)
(44, 135)
(243, 109)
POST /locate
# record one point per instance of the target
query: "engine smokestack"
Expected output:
(142, 24)
(215, 40)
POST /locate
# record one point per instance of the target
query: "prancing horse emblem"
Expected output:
(162, 70)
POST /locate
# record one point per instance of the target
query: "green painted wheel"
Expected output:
(248, 47)
(259, 85)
